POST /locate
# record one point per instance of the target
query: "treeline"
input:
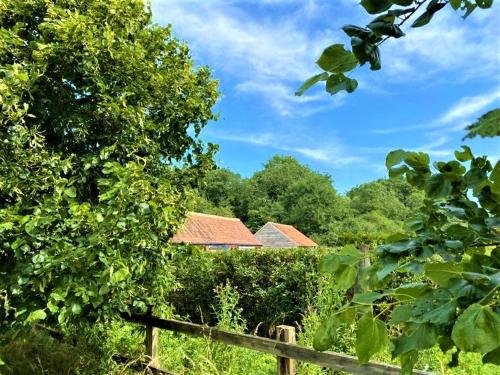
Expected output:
(288, 192)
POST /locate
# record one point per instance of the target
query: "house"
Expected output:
(282, 235)
(215, 232)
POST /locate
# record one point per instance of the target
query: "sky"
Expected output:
(434, 81)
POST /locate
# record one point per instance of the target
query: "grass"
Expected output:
(91, 351)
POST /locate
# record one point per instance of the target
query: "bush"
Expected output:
(275, 285)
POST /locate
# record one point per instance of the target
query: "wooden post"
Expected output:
(286, 366)
(365, 263)
(152, 345)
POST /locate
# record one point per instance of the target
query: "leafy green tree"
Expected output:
(288, 192)
(97, 163)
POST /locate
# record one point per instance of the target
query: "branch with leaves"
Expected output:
(336, 61)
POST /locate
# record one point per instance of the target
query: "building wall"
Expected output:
(270, 236)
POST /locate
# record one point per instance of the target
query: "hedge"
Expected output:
(275, 285)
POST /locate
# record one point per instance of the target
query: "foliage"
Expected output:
(97, 162)
(275, 286)
(288, 192)
(453, 262)
(488, 125)
(336, 60)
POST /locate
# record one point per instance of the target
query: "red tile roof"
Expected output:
(295, 235)
(204, 229)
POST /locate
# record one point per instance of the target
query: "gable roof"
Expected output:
(294, 234)
(204, 229)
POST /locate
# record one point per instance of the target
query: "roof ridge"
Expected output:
(214, 216)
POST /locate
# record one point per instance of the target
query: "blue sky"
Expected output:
(433, 82)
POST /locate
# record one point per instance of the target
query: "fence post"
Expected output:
(152, 345)
(286, 366)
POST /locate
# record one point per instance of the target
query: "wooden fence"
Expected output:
(284, 347)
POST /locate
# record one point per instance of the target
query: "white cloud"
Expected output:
(469, 106)
(461, 114)
(267, 57)
(331, 152)
(462, 49)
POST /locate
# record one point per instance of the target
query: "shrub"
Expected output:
(275, 285)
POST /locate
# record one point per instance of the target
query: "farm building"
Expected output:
(282, 235)
(215, 232)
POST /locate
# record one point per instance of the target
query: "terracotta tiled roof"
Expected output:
(204, 229)
(295, 235)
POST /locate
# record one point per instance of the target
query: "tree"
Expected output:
(286, 191)
(97, 162)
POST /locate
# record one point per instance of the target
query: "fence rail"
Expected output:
(283, 350)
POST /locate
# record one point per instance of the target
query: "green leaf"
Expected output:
(35, 316)
(119, 275)
(492, 357)
(70, 192)
(438, 186)
(76, 309)
(337, 59)
(398, 247)
(310, 82)
(376, 6)
(464, 155)
(410, 291)
(371, 337)
(360, 32)
(455, 4)
(477, 329)
(395, 157)
(346, 276)
(339, 82)
(366, 52)
(423, 336)
(438, 307)
(403, 3)
(484, 4)
(367, 298)
(422, 20)
(441, 273)
(384, 28)
(325, 335)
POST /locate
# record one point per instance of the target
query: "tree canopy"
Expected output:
(288, 192)
(101, 112)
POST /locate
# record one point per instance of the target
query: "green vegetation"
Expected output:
(101, 112)
(288, 192)
(97, 163)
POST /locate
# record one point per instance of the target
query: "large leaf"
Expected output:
(395, 157)
(310, 82)
(337, 59)
(403, 3)
(325, 334)
(371, 337)
(423, 336)
(339, 82)
(477, 329)
(441, 273)
(438, 186)
(35, 316)
(376, 6)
